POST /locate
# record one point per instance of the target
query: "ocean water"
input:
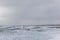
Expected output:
(29, 33)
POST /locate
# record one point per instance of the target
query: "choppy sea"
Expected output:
(29, 32)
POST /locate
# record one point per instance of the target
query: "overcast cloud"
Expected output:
(30, 12)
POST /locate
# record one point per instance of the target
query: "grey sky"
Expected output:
(30, 12)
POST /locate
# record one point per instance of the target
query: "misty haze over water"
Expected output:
(25, 19)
